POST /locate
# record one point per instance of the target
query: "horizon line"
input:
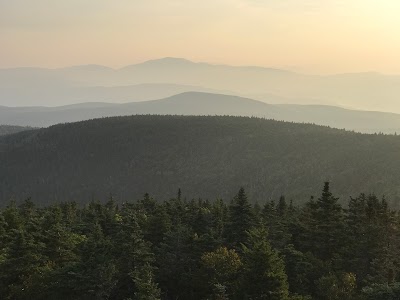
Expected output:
(189, 61)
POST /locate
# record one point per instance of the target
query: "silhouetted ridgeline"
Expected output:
(204, 156)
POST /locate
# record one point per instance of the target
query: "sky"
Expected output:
(310, 36)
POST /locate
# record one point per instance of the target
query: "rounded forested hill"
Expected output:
(208, 157)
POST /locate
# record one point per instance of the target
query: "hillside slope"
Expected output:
(195, 103)
(204, 156)
(9, 129)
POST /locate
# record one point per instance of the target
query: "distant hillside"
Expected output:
(168, 76)
(8, 129)
(194, 103)
(53, 94)
(204, 156)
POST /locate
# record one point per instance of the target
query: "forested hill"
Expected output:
(206, 104)
(204, 156)
(9, 129)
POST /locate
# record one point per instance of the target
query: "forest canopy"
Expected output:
(199, 249)
(207, 157)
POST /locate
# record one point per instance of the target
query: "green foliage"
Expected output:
(146, 288)
(334, 287)
(200, 249)
(264, 274)
(240, 220)
(382, 292)
(222, 267)
(323, 227)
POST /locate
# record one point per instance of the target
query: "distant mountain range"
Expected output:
(165, 77)
(195, 103)
(204, 156)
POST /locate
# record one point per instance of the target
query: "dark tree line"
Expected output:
(200, 249)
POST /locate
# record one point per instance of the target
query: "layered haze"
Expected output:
(334, 52)
(330, 63)
(166, 77)
(207, 104)
(311, 36)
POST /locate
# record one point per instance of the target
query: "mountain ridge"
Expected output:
(201, 103)
(53, 87)
(182, 60)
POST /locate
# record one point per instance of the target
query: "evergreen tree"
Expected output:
(134, 259)
(94, 276)
(303, 270)
(22, 273)
(240, 220)
(326, 225)
(276, 218)
(264, 271)
(177, 264)
(158, 224)
(146, 288)
(357, 253)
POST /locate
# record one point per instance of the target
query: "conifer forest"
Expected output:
(183, 248)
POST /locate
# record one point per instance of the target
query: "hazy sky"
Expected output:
(316, 36)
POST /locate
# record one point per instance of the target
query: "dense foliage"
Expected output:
(207, 156)
(197, 249)
(8, 129)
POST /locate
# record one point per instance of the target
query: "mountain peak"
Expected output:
(170, 60)
(164, 62)
(174, 59)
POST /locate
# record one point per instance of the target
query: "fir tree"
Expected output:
(264, 271)
(240, 220)
(327, 233)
